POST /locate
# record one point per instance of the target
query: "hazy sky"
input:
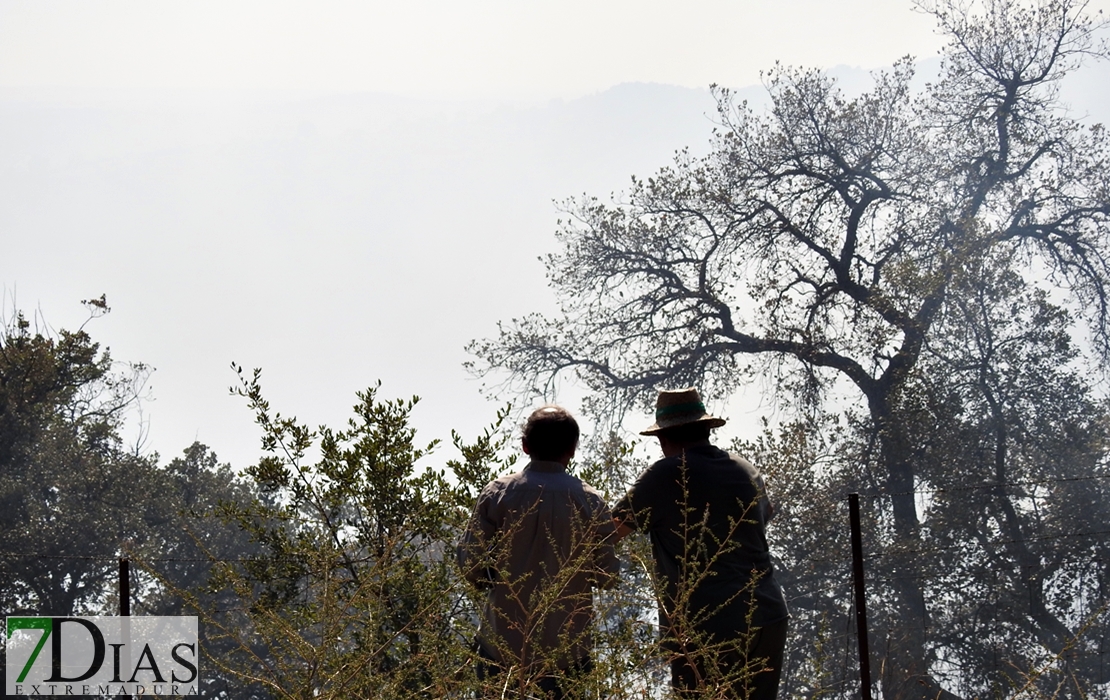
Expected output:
(346, 192)
(501, 48)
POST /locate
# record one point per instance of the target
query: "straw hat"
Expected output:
(680, 407)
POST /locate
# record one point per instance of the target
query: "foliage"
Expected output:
(355, 591)
(197, 491)
(1021, 494)
(809, 537)
(71, 494)
(74, 498)
(927, 255)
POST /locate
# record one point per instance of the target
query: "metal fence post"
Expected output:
(861, 597)
(125, 611)
(124, 587)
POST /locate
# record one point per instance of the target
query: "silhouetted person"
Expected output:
(722, 614)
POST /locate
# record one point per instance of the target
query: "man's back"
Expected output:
(705, 513)
(538, 540)
(722, 615)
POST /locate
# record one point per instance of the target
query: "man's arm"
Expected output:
(621, 530)
(627, 511)
(605, 555)
(764, 500)
(472, 551)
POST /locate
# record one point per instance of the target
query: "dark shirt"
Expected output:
(539, 541)
(706, 512)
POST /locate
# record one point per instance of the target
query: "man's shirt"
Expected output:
(539, 540)
(705, 512)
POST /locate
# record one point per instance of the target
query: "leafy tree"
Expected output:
(354, 592)
(71, 494)
(1017, 519)
(929, 253)
(74, 498)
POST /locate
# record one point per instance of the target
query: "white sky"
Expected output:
(341, 192)
(516, 48)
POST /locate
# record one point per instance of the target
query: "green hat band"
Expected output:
(692, 407)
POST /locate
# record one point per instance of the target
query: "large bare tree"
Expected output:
(835, 243)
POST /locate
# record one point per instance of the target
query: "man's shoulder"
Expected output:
(591, 493)
(503, 482)
(572, 483)
(744, 464)
(693, 461)
(711, 454)
(578, 489)
(526, 479)
(690, 457)
(660, 474)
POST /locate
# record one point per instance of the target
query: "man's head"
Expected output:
(681, 419)
(550, 434)
(675, 408)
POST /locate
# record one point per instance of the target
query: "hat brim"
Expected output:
(659, 427)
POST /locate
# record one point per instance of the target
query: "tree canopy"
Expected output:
(70, 492)
(940, 257)
(74, 497)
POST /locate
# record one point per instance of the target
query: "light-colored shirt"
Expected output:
(539, 541)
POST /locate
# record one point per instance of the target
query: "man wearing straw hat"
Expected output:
(722, 614)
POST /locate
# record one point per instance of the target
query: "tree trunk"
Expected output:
(905, 662)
